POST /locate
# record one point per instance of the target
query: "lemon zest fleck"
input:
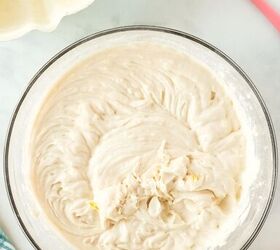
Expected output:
(193, 177)
(93, 205)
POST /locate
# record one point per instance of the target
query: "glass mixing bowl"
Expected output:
(42, 235)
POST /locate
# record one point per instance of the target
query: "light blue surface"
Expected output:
(4, 242)
(236, 27)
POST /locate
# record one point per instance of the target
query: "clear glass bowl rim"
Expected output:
(157, 29)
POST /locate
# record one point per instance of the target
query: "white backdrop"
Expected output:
(234, 26)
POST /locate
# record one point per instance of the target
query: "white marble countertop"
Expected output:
(236, 27)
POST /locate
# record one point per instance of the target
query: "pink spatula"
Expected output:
(269, 12)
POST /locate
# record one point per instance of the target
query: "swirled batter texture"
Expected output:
(138, 147)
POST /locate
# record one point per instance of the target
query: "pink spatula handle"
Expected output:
(269, 12)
